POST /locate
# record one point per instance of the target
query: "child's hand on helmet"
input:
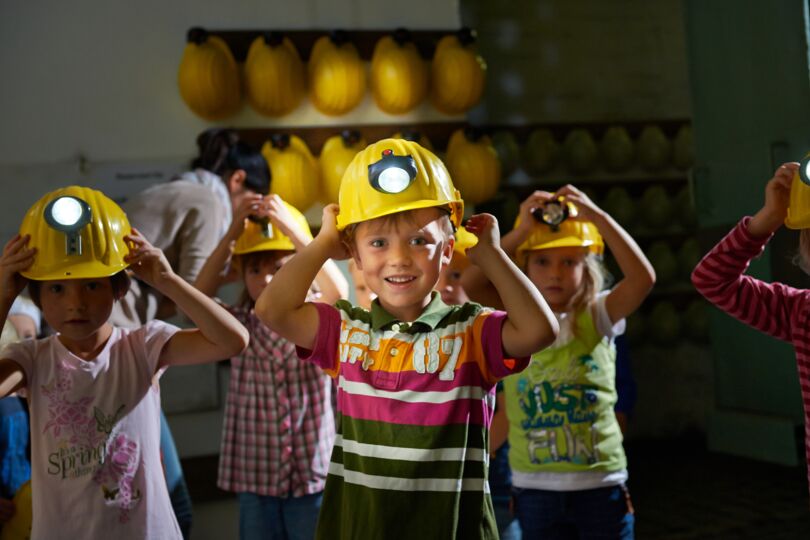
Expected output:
(147, 262)
(252, 204)
(281, 217)
(485, 228)
(587, 210)
(777, 200)
(329, 236)
(530, 204)
(16, 257)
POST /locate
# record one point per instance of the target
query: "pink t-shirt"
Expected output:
(95, 437)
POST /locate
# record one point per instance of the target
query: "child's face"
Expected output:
(557, 273)
(450, 281)
(259, 270)
(401, 259)
(362, 293)
(77, 308)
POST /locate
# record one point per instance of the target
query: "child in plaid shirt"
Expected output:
(279, 423)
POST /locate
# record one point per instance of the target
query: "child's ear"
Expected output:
(447, 251)
(236, 181)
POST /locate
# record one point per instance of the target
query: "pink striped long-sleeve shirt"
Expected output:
(774, 308)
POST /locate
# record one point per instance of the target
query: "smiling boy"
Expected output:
(415, 376)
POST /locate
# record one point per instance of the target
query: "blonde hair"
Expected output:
(595, 279)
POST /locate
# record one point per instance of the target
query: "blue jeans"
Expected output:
(178, 491)
(508, 526)
(604, 513)
(278, 518)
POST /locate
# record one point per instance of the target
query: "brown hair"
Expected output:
(244, 261)
(393, 220)
(119, 283)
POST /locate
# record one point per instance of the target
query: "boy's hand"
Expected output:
(17, 256)
(777, 200)
(587, 209)
(329, 236)
(147, 262)
(485, 228)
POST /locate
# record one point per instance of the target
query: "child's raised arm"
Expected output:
(330, 280)
(17, 256)
(282, 305)
(474, 282)
(530, 325)
(218, 334)
(639, 276)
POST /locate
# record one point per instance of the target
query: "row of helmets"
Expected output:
(582, 152)
(275, 79)
(301, 179)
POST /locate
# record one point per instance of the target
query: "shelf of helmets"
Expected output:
(640, 174)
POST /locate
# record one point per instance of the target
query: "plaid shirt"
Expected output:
(279, 423)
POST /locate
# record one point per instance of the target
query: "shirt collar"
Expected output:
(433, 313)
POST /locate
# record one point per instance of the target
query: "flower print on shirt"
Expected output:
(70, 419)
(117, 475)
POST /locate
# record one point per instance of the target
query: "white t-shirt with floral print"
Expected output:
(95, 437)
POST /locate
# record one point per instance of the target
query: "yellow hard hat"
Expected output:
(337, 74)
(78, 232)
(464, 240)
(293, 168)
(798, 212)
(395, 175)
(569, 233)
(275, 77)
(336, 154)
(208, 76)
(264, 236)
(399, 75)
(19, 526)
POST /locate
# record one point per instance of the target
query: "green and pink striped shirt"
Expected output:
(415, 401)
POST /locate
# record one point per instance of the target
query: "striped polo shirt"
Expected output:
(415, 401)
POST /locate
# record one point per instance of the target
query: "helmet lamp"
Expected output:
(392, 174)
(69, 215)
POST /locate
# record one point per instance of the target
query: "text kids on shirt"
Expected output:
(565, 445)
(415, 377)
(93, 388)
(279, 424)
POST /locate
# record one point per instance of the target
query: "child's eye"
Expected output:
(418, 241)
(92, 286)
(455, 276)
(55, 288)
(377, 243)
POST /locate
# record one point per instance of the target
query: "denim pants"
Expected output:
(175, 481)
(603, 513)
(278, 518)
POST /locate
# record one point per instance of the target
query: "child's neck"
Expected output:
(90, 347)
(407, 313)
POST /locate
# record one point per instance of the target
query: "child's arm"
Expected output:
(639, 276)
(16, 257)
(218, 334)
(330, 280)
(282, 304)
(529, 325)
(474, 282)
(768, 307)
(212, 276)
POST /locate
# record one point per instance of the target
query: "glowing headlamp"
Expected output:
(392, 174)
(804, 170)
(69, 215)
(554, 212)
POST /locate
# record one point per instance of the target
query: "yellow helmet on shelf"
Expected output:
(569, 233)
(336, 154)
(399, 76)
(395, 175)
(337, 74)
(293, 169)
(208, 76)
(78, 233)
(457, 73)
(275, 78)
(264, 236)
